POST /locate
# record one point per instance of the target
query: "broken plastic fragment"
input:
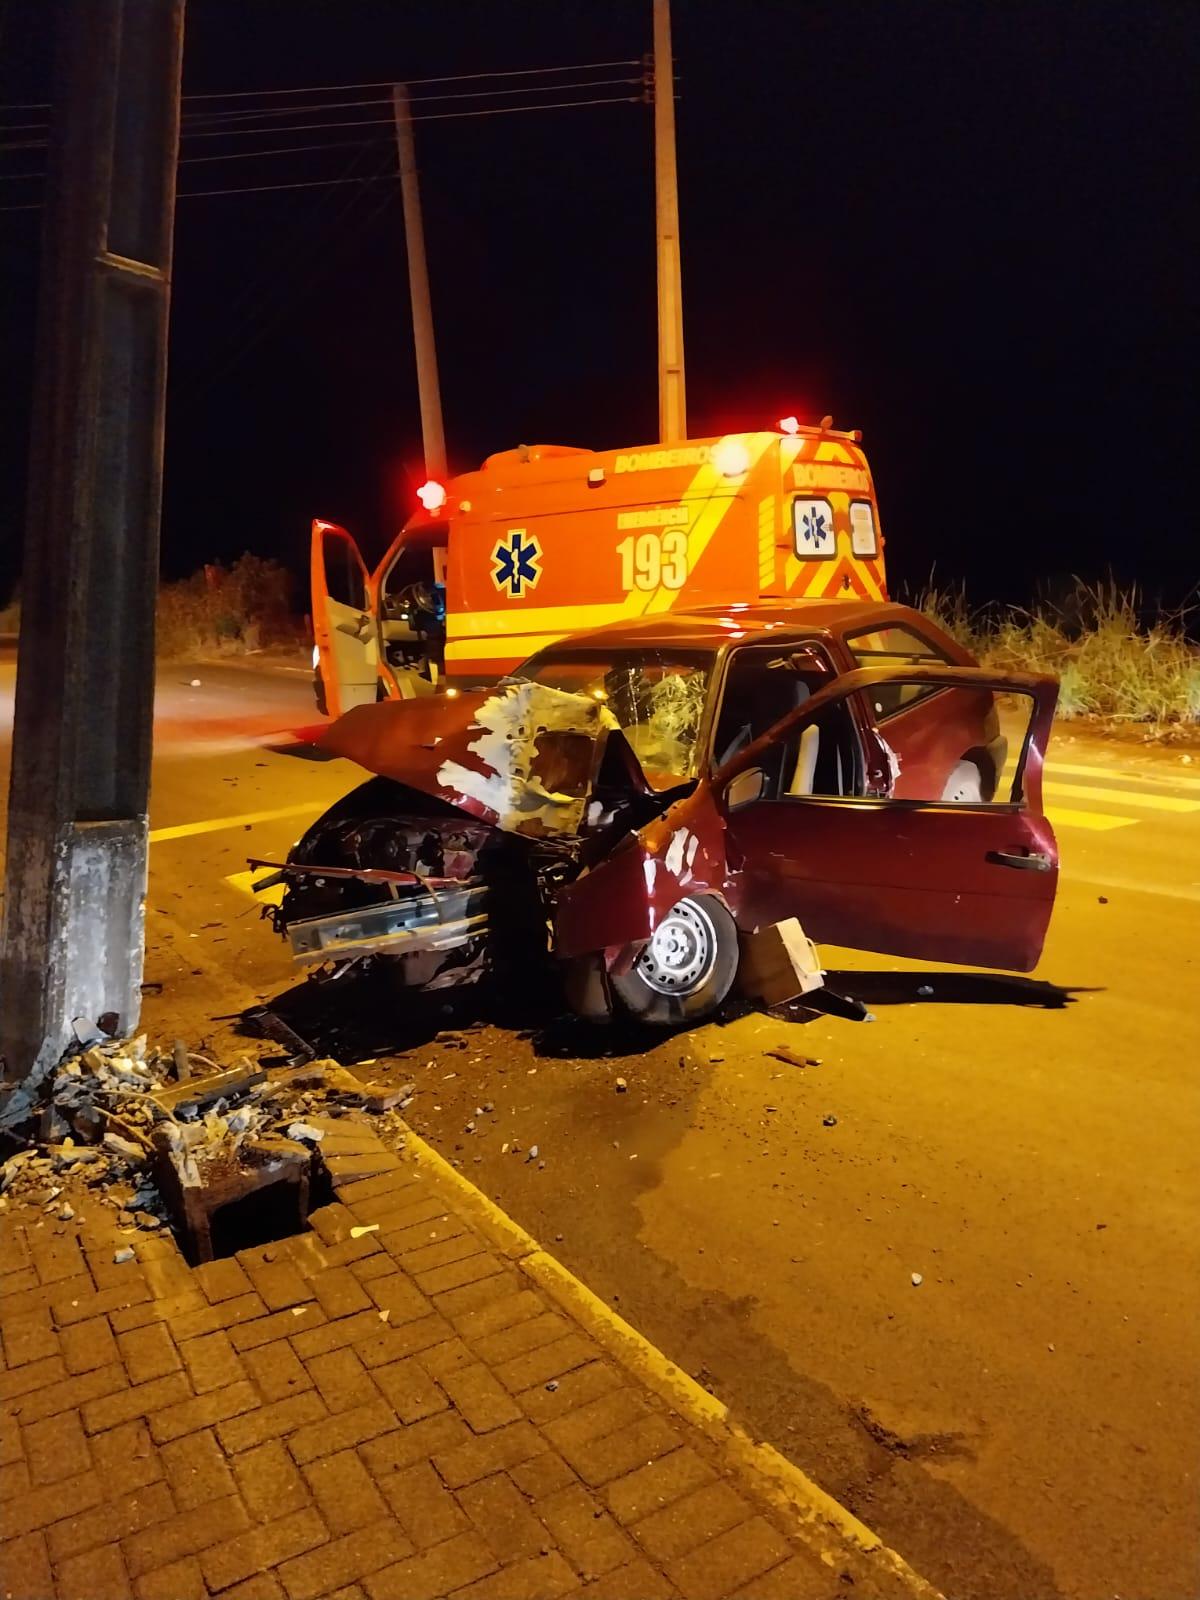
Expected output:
(305, 1130)
(368, 1227)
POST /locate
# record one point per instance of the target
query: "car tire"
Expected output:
(685, 969)
(966, 784)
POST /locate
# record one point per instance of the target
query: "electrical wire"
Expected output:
(442, 116)
(418, 100)
(286, 150)
(303, 218)
(283, 305)
(387, 83)
(338, 88)
(438, 116)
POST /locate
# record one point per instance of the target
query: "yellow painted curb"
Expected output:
(833, 1531)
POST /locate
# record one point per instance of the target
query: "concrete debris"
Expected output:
(120, 1257)
(621, 1086)
(917, 1280)
(170, 1136)
(552, 1386)
(829, 1121)
(533, 1153)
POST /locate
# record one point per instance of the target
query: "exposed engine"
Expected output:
(391, 872)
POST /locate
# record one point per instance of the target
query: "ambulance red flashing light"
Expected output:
(432, 495)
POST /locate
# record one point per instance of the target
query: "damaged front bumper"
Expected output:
(418, 924)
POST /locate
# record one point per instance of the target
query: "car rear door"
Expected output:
(344, 624)
(918, 876)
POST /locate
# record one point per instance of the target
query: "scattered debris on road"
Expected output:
(168, 1136)
(793, 1058)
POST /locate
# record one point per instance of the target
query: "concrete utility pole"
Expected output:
(73, 933)
(672, 403)
(432, 431)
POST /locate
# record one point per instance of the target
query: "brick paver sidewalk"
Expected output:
(382, 1408)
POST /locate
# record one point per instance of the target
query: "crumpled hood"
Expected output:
(521, 756)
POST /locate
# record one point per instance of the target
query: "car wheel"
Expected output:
(965, 785)
(686, 967)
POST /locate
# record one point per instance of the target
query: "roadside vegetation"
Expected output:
(1118, 661)
(228, 611)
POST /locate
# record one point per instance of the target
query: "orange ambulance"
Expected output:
(548, 540)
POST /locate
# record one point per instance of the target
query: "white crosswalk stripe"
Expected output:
(1172, 780)
(1133, 796)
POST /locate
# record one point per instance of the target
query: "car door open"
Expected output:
(922, 877)
(344, 623)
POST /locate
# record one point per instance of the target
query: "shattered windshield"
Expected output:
(656, 697)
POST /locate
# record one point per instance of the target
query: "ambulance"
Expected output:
(549, 540)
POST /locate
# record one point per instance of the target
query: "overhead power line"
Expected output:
(436, 116)
(285, 150)
(417, 100)
(386, 83)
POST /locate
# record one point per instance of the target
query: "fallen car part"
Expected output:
(778, 964)
(263, 1023)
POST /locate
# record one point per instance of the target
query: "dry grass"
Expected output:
(226, 610)
(1115, 661)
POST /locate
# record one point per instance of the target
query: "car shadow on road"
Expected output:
(364, 1015)
(955, 989)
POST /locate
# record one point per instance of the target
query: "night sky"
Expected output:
(966, 228)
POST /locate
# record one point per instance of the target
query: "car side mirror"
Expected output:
(745, 789)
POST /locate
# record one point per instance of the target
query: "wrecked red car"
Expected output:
(637, 801)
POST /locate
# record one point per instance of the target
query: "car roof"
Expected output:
(711, 627)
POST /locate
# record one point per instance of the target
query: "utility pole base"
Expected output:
(93, 955)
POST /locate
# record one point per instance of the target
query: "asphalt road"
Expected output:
(1022, 1424)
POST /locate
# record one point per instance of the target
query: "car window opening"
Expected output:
(895, 647)
(761, 687)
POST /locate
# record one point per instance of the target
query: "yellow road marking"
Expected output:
(1078, 770)
(1120, 797)
(243, 883)
(1094, 821)
(184, 830)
